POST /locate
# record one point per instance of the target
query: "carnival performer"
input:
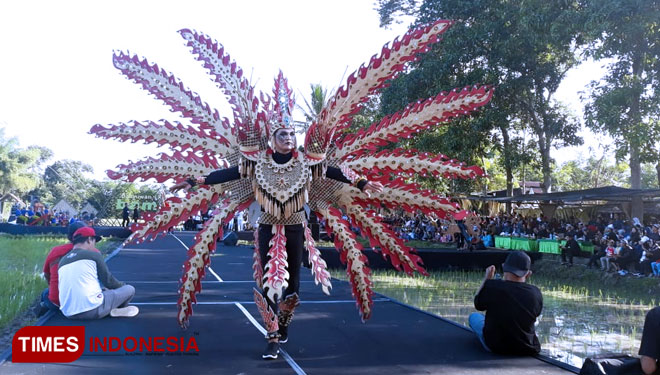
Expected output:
(284, 168)
(254, 158)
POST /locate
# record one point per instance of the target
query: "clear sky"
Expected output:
(57, 79)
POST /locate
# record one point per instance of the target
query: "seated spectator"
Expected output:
(561, 232)
(648, 255)
(511, 306)
(570, 232)
(610, 234)
(654, 233)
(635, 237)
(489, 240)
(621, 234)
(506, 228)
(572, 248)
(618, 223)
(606, 261)
(81, 273)
(649, 349)
(599, 252)
(585, 235)
(625, 257)
(655, 264)
(637, 254)
(478, 244)
(50, 298)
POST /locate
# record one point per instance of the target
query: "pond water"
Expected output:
(573, 325)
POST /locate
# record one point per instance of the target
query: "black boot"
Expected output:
(287, 306)
(284, 333)
(272, 350)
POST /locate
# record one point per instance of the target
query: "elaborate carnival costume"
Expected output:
(246, 169)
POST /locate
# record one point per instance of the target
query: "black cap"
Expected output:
(73, 227)
(518, 263)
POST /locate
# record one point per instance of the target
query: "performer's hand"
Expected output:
(490, 273)
(372, 187)
(181, 185)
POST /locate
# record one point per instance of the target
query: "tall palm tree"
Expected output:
(318, 98)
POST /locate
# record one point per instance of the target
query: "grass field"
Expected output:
(21, 277)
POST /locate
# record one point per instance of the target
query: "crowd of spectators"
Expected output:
(419, 227)
(623, 246)
(44, 216)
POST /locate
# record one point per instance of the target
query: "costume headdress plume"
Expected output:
(283, 107)
(212, 141)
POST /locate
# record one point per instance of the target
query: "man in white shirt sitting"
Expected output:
(81, 273)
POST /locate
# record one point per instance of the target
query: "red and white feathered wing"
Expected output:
(210, 142)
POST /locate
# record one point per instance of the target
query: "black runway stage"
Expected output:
(326, 336)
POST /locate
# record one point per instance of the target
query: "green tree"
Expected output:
(626, 103)
(649, 176)
(523, 48)
(317, 100)
(466, 139)
(19, 167)
(65, 179)
(591, 172)
(389, 10)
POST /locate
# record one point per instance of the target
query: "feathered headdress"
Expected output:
(284, 102)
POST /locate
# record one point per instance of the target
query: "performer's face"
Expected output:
(285, 141)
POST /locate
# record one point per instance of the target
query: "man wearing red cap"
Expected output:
(50, 298)
(81, 273)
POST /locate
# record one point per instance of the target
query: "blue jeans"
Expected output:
(655, 267)
(47, 303)
(477, 321)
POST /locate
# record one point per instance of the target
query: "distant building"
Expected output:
(64, 206)
(533, 187)
(530, 187)
(89, 211)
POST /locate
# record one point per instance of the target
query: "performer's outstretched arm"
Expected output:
(221, 176)
(363, 184)
(215, 177)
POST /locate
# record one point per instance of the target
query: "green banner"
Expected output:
(143, 202)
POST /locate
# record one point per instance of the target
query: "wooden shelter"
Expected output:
(585, 199)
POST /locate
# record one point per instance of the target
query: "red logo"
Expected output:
(59, 344)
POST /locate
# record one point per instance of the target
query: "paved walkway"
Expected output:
(326, 336)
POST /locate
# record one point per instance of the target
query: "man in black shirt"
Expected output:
(609, 233)
(124, 216)
(571, 249)
(649, 350)
(511, 306)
